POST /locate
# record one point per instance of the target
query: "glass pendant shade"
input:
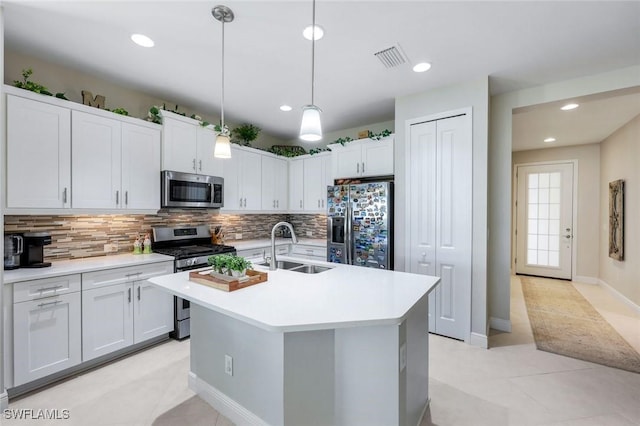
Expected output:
(223, 147)
(311, 128)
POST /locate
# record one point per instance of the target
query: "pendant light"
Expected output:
(311, 128)
(223, 143)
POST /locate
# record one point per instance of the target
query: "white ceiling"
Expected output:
(518, 44)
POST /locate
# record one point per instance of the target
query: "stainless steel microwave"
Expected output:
(189, 190)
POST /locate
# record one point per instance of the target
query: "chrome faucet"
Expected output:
(273, 263)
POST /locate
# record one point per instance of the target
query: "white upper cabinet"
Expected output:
(96, 168)
(362, 158)
(296, 184)
(274, 183)
(243, 180)
(317, 176)
(115, 165)
(140, 167)
(188, 147)
(63, 155)
(38, 154)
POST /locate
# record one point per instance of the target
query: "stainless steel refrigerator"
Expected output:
(359, 224)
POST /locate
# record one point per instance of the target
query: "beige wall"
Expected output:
(63, 79)
(586, 234)
(620, 159)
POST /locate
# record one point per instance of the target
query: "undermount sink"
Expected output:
(284, 264)
(298, 267)
(310, 269)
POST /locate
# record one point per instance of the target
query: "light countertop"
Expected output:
(345, 296)
(266, 242)
(77, 266)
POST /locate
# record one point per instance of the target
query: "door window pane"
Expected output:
(543, 239)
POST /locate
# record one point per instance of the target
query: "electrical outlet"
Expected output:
(228, 365)
(238, 235)
(110, 248)
(309, 234)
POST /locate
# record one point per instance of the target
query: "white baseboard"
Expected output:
(620, 296)
(500, 324)
(585, 280)
(225, 405)
(4, 400)
(478, 339)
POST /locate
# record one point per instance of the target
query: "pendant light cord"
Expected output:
(313, 52)
(222, 96)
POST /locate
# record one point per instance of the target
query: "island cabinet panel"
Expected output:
(46, 327)
(38, 154)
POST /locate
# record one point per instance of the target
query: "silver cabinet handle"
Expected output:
(278, 203)
(40, 305)
(64, 196)
(318, 203)
(117, 197)
(54, 288)
(274, 204)
(323, 203)
(357, 167)
(240, 202)
(138, 292)
(245, 201)
(300, 203)
(363, 167)
(200, 165)
(126, 197)
(134, 274)
(194, 164)
(129, 295)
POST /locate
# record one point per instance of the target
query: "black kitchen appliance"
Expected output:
(190, 247)
(33, 253)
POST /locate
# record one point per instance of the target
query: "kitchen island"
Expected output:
(348, 346)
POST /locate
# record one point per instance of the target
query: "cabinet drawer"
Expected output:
(309, 251)
(127, 274)
(46, 287)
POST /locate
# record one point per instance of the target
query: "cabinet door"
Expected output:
(107, 320)
(153, 312)
(179, 145)
(251, 180)
(96, 166)
(206, 163)
(140, 167)
(313, 178)
(377, 158)
(296, 185)
(269, 167)
(46, 336)
(38, 154)
(347, 160)
(281, 184)
(231, 173)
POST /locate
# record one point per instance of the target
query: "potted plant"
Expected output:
(238, 266)
(219, 262)
(247, 133)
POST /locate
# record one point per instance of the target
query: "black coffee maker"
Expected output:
(33, 252)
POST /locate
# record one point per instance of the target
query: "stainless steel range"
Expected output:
(190, 246)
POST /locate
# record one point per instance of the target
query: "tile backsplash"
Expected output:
(77, 236)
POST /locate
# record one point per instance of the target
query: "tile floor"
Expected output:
(510, 384)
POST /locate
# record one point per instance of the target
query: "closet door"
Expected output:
(441, 218)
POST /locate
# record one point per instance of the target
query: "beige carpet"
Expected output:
(563, 322)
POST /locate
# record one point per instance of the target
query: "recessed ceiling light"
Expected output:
(285, 108)
(422, 67)
(142, 40)
(550, 140)
(319, 33)
(569, 107)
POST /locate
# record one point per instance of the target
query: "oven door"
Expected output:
(191, 190)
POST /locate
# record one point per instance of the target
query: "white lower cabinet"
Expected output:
(46, 327)
(120, 308)
(309, 252)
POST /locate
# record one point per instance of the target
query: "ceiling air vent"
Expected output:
(391, 57)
